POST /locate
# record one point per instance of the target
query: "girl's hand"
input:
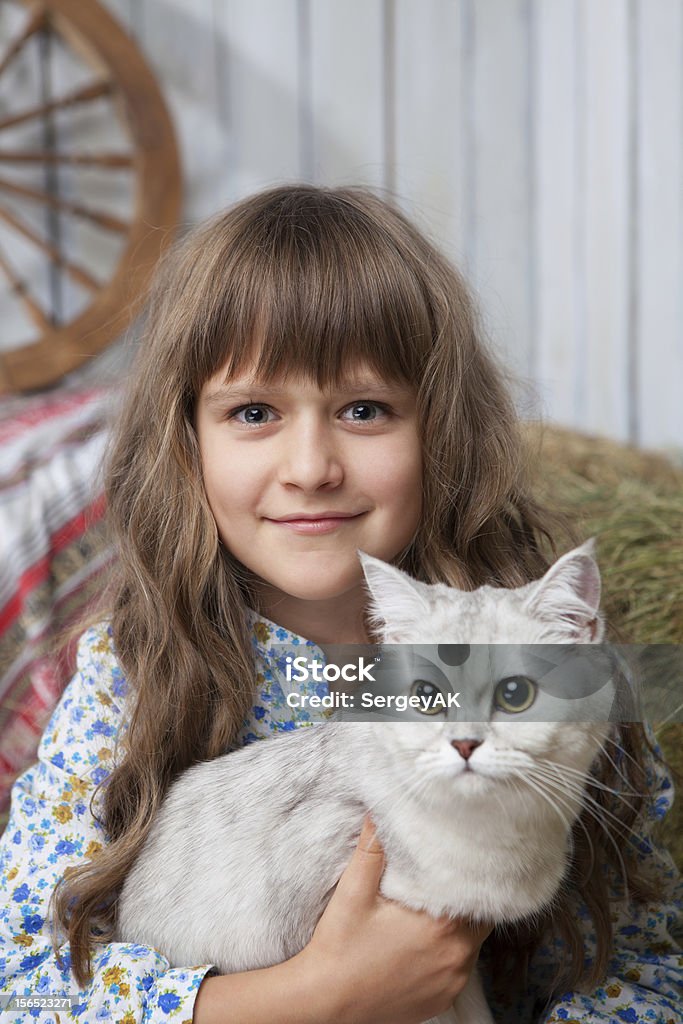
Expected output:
(373, 961)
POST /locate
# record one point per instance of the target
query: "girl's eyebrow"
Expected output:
(218, 395)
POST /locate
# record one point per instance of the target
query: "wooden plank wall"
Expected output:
(538, 141)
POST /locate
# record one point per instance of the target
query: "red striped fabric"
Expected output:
(40, 570)
(53, 555)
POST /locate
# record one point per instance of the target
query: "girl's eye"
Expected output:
(366, 412)
(515, 694)
(254, 414)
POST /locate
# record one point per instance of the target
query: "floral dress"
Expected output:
(51, 827)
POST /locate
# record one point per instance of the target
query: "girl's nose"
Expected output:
(310, 460)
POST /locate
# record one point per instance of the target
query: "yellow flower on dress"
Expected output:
(62, 813)
(104, 698)
(12, 873)
(93, 849)
(112, 976)
(102, 646)
(613, 991)
(23, 939)
(661, 948)
(261, 632)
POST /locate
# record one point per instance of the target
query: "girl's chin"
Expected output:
(316, 578)
(323, 592)
(321, 587)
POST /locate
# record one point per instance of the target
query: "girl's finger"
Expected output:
(363, 873)
(367, 839)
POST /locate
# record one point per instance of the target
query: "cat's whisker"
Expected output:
(525, 778)
(614, 764)
(668, 718)
(562, 771)
(596, 817)
(565, 769)
(581, 823)
(568, 770)
(590, 809)
(623, 827)
(499, 796)
(549, 773)
(578, 821)
(569, 826)
(603, 810)
(621, 750)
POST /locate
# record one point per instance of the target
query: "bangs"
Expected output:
(314, 285)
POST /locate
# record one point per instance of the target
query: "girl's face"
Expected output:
(274, 455)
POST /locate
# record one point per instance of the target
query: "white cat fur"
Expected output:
(244, 854)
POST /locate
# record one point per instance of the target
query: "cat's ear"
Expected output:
(569, 595)
(395, 598)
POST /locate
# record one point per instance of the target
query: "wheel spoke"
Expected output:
(103, 220)
(84, 95)
(77, 274)
(41, 156)
(35, 23)
(20, 289)
(103, 78)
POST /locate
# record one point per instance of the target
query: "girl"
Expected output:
(310, 356)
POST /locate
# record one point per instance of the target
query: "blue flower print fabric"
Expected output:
(51, 827)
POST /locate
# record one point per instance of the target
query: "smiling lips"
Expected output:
(323, 522)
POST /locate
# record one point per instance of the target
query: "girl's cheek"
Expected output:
(399, 456)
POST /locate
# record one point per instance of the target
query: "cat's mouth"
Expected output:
(477, 775)
(469, 775)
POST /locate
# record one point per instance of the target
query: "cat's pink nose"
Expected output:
(465, 747)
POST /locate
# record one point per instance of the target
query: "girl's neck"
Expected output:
(338, 620)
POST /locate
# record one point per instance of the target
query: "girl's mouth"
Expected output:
(314, 526)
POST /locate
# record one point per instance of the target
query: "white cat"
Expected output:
(244, 854)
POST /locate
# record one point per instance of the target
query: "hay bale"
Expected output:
(632, 501)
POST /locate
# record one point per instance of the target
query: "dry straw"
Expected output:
(632, 500)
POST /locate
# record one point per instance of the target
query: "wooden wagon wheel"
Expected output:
(117, 71)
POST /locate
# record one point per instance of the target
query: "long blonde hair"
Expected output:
(328, 276)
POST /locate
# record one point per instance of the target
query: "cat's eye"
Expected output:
(515, 694)
(427, 692)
